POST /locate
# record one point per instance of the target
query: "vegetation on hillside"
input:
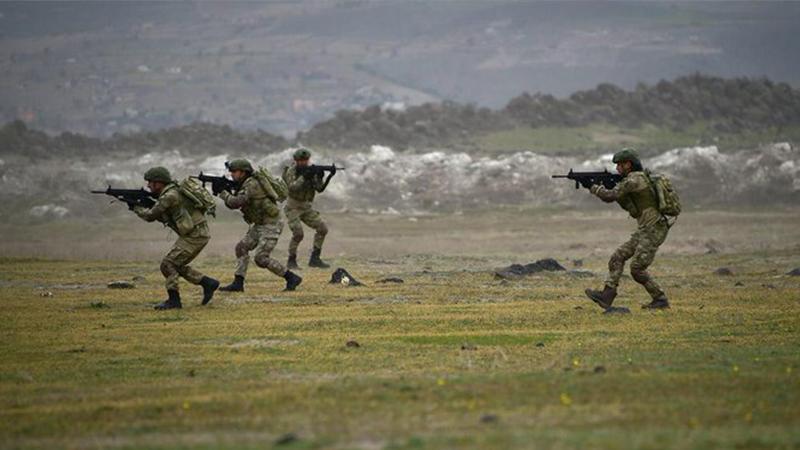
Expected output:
(688, 110)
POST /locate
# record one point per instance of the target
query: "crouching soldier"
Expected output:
(302, 189)
(258, 202)
(184, 218)
(636, 195)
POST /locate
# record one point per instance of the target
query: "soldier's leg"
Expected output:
(312, 219)
(293, 219)
(267, 239)
(242, 250)
(643, 257)
(185, 251)
(616, 264)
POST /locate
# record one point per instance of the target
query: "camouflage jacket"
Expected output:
(635, 195)
(256, 200)
(301, 190)
(174, 210)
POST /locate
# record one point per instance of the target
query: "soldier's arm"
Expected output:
(237, 201)
(319, 183)
(296, 183)
(158, 211)
(626, 186)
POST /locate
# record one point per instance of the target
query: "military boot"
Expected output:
(291, 263)
(292, 280)
(315, 260)
(236, 286)
(209, 286)
(173, 302)
(657, 303)
(603, 298)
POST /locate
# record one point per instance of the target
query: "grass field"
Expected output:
(648, 139)
(451, 358)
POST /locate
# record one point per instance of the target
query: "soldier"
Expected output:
(634, 194)
(258, 202)
(302, 189)
(180, 214)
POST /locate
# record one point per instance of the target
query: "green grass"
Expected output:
(719, 370)
(649, 139)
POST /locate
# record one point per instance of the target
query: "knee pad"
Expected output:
(297, 235)
(262, 260)
(167, 268)
(640, 276)
(241, 249)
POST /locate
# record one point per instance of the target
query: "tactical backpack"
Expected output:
(669, 204)
(277, 184)
(198, 195)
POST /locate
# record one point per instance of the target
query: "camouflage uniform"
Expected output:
(259, 209)
(299, 208)
(635, 195)
(174, 210)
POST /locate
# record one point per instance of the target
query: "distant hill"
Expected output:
(727, 105)
(198, 138)
(731, 106)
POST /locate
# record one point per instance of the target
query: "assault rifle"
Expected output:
(218, 184)
(133, 197)
(317, 171)
(589, 179)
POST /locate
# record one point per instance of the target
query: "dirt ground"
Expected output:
(452, 357)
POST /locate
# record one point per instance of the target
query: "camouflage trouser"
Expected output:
(186, 249)
(297, 213)
(641, 250)
(263, 239)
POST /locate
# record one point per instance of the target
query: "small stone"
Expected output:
(285, 439)
(723, 272)
(391, 280)
(45, 294)
(192, 373)
(99, 305)
(121, 285)
(468, 346)
(600, 369)
(489, 418)
(738, 284)
(617, 310)
(581, 273)
(352, 344)
(540, 344)
(577, 262)
(138, 278)
(577, 308)
(794, 272)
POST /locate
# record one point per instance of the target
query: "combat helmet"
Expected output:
(158, 174)
(626, 154)
(301, 153)
(239, 164)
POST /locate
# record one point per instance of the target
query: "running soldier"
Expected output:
(258, 202)
(636, 195)
(177, 212)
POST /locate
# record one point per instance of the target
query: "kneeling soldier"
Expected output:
(258, 203)
(635, 194)
(180, 214)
